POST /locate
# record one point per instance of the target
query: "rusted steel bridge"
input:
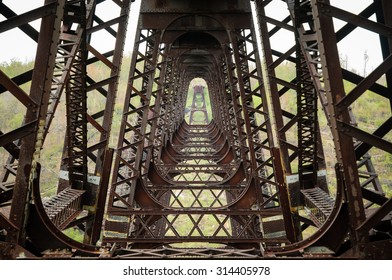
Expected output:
(220, 153)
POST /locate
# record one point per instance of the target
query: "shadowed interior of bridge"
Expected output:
(230, 144)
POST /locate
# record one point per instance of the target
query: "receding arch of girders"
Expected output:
(198, 55)
(206, 45)
(184, 22)
(195, 61)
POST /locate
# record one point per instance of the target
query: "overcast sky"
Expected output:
(16, 45)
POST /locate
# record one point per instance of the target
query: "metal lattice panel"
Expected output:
(254, 173)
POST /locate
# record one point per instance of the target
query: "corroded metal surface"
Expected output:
(218, 150)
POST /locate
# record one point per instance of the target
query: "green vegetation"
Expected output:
(74, 233)
(12, 111)
(198, 116)
(12, 115)
(371, 111)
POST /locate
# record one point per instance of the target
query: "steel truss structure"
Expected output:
(234, 166)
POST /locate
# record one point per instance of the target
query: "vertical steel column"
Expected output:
(306, 107)
(130, 162)
(79, 39)
(221, 109)
(76, 104)
(239, 114)
(235, 130)
(335, 92)
(286, 194)
(156, 106)
(384, 16)
(39, 93)
(11, 140)
(272, 83)
(304, 143)
(163, 125)
(102, 158)
(174, 100)
(261, 155)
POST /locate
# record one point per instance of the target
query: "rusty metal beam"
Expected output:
(249, 176)
(40, 92)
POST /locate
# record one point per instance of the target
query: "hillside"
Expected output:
(12, 113)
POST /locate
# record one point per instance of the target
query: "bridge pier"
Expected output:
(280, 164)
